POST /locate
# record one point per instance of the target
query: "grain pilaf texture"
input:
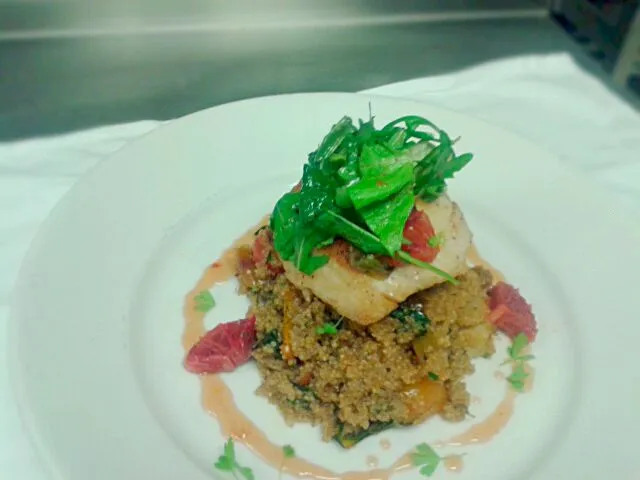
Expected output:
(399, 371)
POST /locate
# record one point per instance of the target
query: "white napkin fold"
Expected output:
(552, 101)
(548, 99)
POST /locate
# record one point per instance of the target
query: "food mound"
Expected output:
(365, 313)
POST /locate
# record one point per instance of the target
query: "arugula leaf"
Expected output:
(204, 301)
(397, 140)
(373, 189)
(412, 122)
(386, 219)
(439, 165)
(418, 263)
(377, 160)
(425, 457)
(288, 451)
(360, 184)
(353, 233)
(305, 243)
(350, 171)
(333, 139)
(283, 224)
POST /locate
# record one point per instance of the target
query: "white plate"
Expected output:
(96, 320)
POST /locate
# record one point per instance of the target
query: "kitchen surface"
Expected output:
(71, 65)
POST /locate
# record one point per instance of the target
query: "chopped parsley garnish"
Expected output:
(520, 342)
(227, 463)
(433, 376)
(204, 301)
(519, 373)
(288, 451)
(518, 377)
(426, 458)
(436, 241)
(361, 184)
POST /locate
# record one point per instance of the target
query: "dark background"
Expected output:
(68, 65)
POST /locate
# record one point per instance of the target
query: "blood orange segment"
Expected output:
(224, 348)
(510, 312)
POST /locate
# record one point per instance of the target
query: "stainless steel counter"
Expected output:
(56, 82)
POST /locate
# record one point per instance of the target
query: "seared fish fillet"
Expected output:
(365, 299)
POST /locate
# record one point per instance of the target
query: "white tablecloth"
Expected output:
(548, 99)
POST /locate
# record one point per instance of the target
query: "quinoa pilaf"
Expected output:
(355, 380)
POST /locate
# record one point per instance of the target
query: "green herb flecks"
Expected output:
(270, 339)
(288, 451)
(433, 376)
(227, 463)
(517, 378)
(436, 241)
(204, 301)
(329, 328)
(301, 404)
(361, 184)
(411, 318)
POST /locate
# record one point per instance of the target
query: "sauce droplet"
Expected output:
(372, 461)
(385, 444)
(454, 463)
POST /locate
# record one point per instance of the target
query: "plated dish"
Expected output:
(368, 300)
(97, 312)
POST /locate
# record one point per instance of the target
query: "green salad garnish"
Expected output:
(361, 184)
